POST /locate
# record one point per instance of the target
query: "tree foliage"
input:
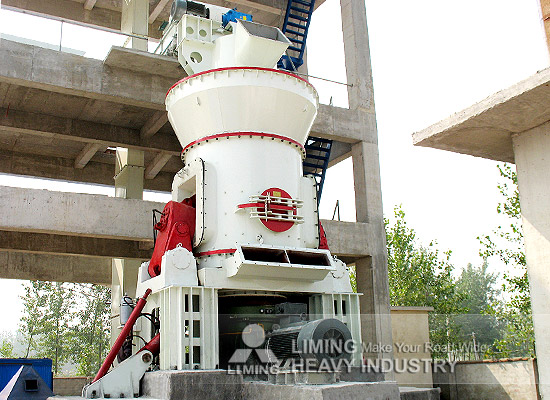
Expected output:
(55, 323)
(34, 303)
(479, 298)
(66, 322)
(6, 346)
(90, 336)
(506, 243)
(422, 276)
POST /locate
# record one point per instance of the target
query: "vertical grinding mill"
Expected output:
(239, 244)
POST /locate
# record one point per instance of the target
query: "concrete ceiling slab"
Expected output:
(107, 13)
(485, 129)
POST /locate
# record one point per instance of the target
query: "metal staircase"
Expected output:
(316, 161)
(295, 28)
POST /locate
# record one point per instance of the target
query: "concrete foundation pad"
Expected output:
(192, 385)
(340, 390)
(218, 384)
(412, 393)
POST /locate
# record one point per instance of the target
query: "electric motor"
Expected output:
(182, 7)
(322, 339)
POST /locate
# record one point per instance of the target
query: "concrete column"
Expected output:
(545, 13)
(135, 16)
(532, 157)
(129, 170)
(357, 54)
(372, 272)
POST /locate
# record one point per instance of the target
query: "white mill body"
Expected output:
(257, 121)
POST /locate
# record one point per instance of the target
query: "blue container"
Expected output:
(10, 366)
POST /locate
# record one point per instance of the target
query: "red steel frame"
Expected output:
(122, 336)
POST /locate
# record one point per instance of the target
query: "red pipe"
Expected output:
(136, 312)
(153, 346)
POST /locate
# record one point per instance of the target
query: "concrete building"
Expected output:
(62, 114)
(513, 125)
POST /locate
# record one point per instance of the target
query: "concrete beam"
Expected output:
(89, 4)
(59, 213)
(31, 66)
(486, 128)
(158, 163)
(31, 210)
(339, 152)
(44, 243)
(86, 155)
(161, 5)
(102, 135)
(48, 267)
(153, 124)
(342, 124)
(347, 239)
(63, 169)
(141, 62)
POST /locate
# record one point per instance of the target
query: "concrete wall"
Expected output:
(506, 380)
(70, 386)
(411, 333)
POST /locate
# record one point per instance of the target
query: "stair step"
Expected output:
(318, 148)
(316, 166)
(305, 3)
(296, 40)
(295, 49)
(318, 139)
(298, 17)
(316, 157)
(296, 25)
(300, 10)
(295, 32)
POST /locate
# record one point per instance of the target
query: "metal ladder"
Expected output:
(316, 161)
(295, 28)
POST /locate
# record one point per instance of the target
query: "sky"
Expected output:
(430, 59)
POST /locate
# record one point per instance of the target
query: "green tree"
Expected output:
(90, 335)
(46, 321)
(479, 299)
(422, 276)
(6, 346)
(55, 323)
(66, 322)
(506, 243)
(34, 304)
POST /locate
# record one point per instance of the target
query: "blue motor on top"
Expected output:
(233, 16)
